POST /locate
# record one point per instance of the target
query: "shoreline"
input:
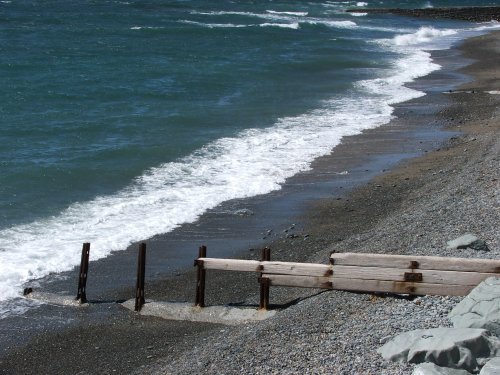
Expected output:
(350, 216)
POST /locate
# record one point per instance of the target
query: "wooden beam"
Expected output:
(299, 269)
(322, 282)
(357, 285)
(395, 274)
(230, 264)
(287, 268)
(416, 262)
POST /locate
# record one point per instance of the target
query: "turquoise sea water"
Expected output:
(120, 120)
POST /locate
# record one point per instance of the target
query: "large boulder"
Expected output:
(492, 367)
(432, 369)
(481, 308)
(458, 348)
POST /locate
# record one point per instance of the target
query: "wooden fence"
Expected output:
(357, 272)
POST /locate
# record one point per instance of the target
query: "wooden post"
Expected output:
(200, 277)
(264, 282)
(141, 273)
(84, 269)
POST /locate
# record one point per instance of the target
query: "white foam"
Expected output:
(354, 14)
(280, 19)
(146, 28)
(294, 25)
(492, 25)
(330, 23)
(422, 35)
(17, 306)
(298, 14)
(361, 4)
(214, 25)
(222, 13)
(337, 4)
(407, 68)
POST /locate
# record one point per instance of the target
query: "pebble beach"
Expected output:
(416, 207)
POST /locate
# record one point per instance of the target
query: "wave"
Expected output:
(408, 68)
(284, 18)
(343, 4)
(358, 14)
(294, 25)
(299, 14)
(423, 35)
(225, 13)
(214, 25)
(146, 28)
(335, 24)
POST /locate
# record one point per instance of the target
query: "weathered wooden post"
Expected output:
(141, 273)
(84, 269)
(265, 256)
(200, 277)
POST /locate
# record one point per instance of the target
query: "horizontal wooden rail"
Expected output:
(395, 274)
(416, 262)
(287, 268)
(322, 282)
(404, 274)
(229, 264)
(358, 285)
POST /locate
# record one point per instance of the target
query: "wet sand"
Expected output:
(103, 337)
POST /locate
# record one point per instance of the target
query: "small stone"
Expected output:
(479, 245)
(461, 242)
(244, 212)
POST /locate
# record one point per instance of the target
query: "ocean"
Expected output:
(120, 120)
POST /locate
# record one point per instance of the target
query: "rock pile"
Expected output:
(471, 346)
